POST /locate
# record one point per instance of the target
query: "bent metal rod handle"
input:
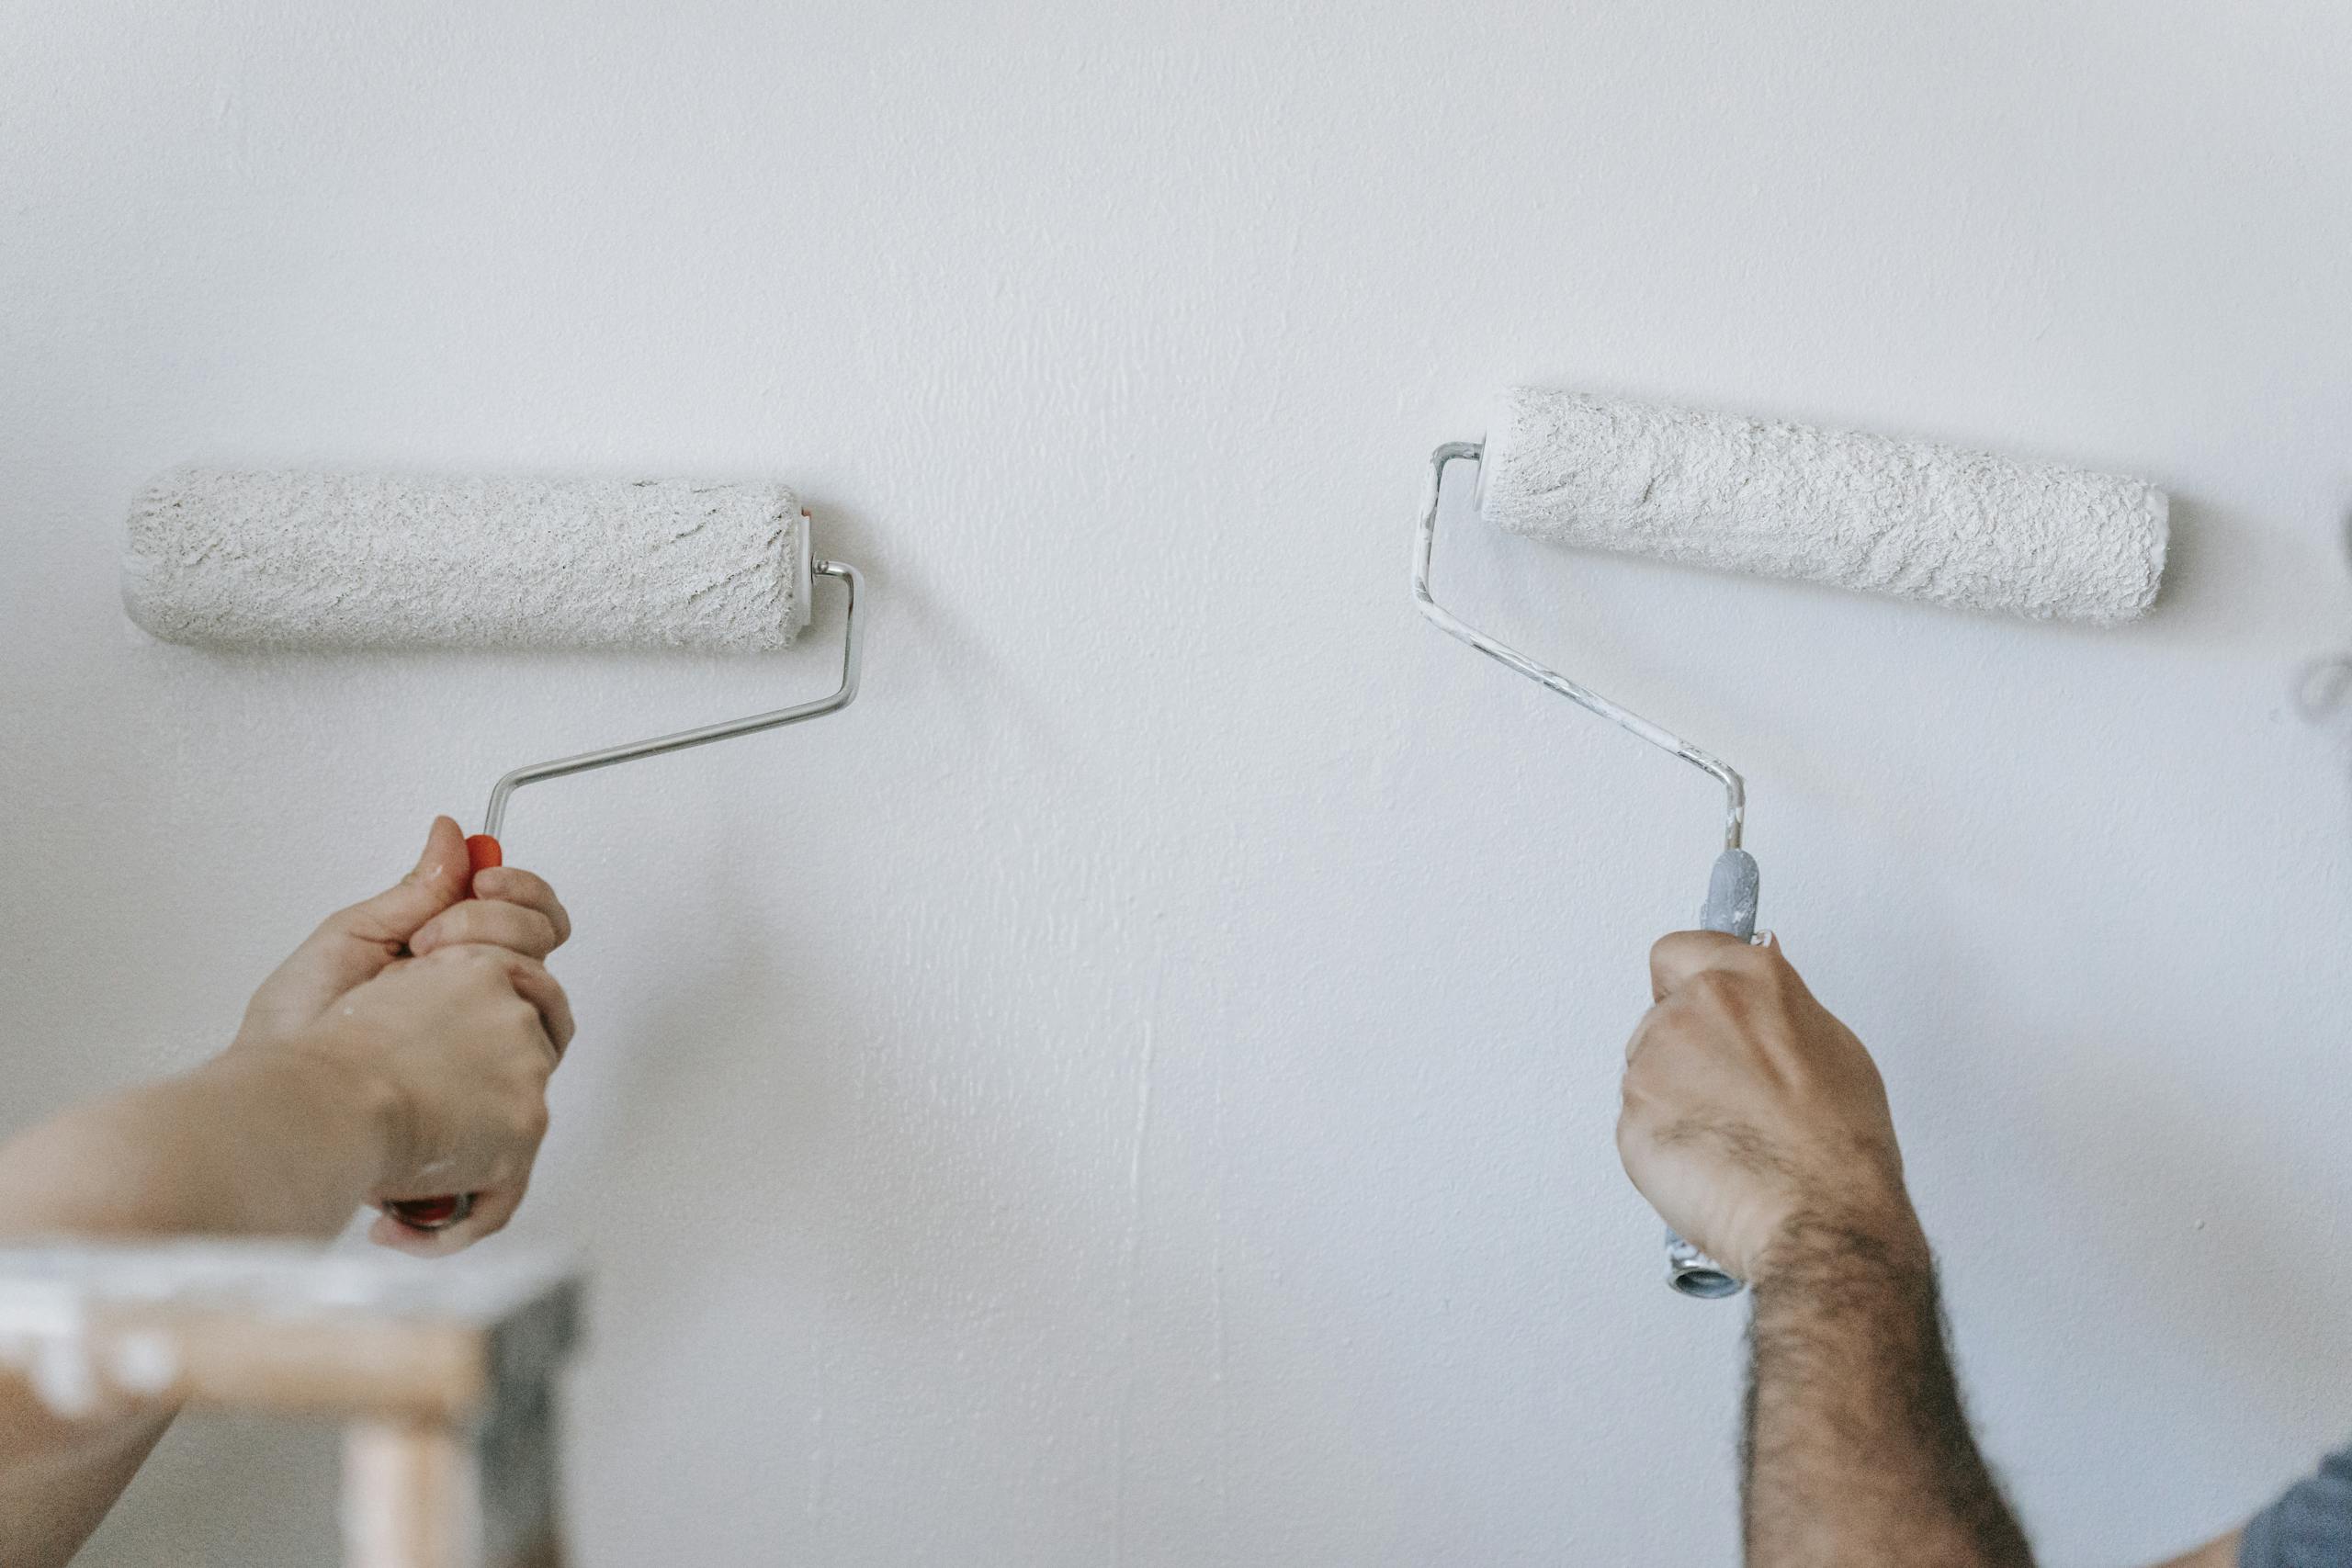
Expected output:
(482, 850)
(440, 1214)
(1731, 908)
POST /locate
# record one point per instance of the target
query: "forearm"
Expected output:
(259, 1143)
(58, 1477)
(1858, 1450)
(268, 1144)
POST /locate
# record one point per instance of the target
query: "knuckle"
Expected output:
(1633, 1132)
(1712, 987)
(351, 918)
(485, 924)
(1677, 1020)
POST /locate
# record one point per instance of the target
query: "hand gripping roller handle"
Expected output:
(482, 850)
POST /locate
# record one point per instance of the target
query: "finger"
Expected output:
(1642, 1032)
(531, 981)
(388, 1232)
(356, 944)
(1677, 955)
(436, 881)
(536, 987)
(513, 885)
(491, 1211)
(492, 923)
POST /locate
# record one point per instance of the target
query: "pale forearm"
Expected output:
(1858, 1448)
(57, 1478)
(257, 1144)
(263, 1144)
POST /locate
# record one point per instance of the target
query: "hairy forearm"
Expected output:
(1858, 1450)
(259, 1144)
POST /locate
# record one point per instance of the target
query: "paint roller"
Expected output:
(280, 562)
(1962, 529)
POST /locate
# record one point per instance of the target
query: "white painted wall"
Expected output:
(1136, 1088)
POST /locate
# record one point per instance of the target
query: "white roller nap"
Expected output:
(1959, 528)
(228, 559)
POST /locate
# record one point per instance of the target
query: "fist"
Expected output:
(1749, 1109)
(432, 1001)
(458, 1044)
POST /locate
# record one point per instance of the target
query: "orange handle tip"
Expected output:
(483, 852)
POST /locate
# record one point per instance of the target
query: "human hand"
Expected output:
(298, 1012)
(455, 1049)
(1750, 1111)
(428, 909)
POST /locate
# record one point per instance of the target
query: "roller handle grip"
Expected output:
(430, 1214)
(1730, 908)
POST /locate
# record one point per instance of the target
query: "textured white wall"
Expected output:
(1136, 1088)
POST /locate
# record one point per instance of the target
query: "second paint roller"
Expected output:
(1963, 529)
(284, 561)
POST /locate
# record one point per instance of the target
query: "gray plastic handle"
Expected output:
(1731, 890)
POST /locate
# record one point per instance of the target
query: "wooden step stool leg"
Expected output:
(443, 1373)
(414, 1491)
(409, 1496)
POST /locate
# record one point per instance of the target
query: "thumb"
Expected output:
(1677, 955)
(442, 876)
(352, 946)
